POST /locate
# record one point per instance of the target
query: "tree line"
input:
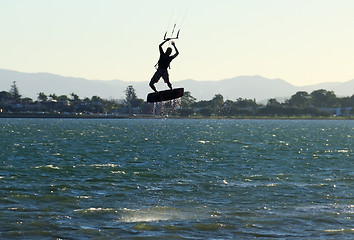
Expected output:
(12, 101)
(317, 103)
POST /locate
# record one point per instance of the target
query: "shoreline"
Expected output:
(142, 116)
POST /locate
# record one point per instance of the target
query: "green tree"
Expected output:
(5, 96)
(346, 101)
(63, 98)
(217, 103)
(246, 103)
(96, 99)
(27, 101)
(53, 96)
(75, 97)
(273, 102)
(97, 104)
(324, 98)
(130, 94)
(217, 100)
(300, 99)
(131, 99)
(187, 100)
(110, 105)
(201, 104)
(42, 97)
(227, 109)
(15, 93)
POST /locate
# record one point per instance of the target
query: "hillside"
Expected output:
(253, 87)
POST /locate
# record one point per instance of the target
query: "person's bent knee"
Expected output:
(151, 84)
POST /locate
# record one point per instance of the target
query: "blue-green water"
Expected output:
(176, 179)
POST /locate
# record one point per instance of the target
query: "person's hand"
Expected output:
(173, 43)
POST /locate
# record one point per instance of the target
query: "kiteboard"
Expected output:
(165, 95)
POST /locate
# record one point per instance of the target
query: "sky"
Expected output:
(303, 42)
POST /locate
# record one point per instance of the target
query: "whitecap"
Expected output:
(83, 197)
(95, 210)
(104, 165)
(157, 214)
(348, 230)
(343, 151)
(48, 166)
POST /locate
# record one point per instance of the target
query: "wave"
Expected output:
(159, 214)
(48, 166)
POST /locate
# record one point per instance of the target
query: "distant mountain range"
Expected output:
(252, 87)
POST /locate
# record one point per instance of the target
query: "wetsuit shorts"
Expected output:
(160, 73)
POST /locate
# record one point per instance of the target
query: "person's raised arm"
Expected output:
(160, 46)
(177, 52)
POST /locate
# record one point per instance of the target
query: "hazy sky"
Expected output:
(301, 41)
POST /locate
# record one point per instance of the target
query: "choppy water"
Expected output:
(176, 179)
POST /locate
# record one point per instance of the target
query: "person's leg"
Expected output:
(153, 86)
(166, 78)
(169, 85)
(155, 79)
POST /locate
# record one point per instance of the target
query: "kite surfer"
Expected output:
(163, 63)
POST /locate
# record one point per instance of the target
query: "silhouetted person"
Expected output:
(163, 64)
